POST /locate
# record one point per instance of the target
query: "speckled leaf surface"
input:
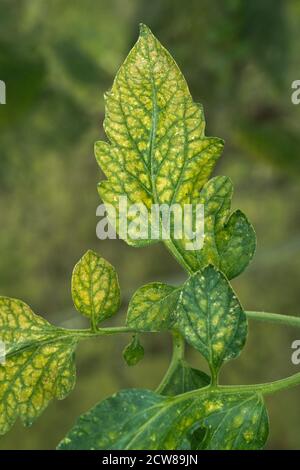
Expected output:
(158, 152)
(133, 352)
(95, 287)
(140, 419)
(39, 363)
(211, 318)
(151, 307)
(184, 379)
(229, 239)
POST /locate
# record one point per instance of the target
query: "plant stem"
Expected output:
(178, 256)
(288, 320)
(177, 356)
(265, 388)
(89, 333)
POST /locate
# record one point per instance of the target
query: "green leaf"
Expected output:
(230, 240)
(95, 288)
(184, 379)
(38, 367)
(151, 306)
(158, 154)
(211, 318)
(140, 419)
(134, 352)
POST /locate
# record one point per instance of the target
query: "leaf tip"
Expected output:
(144, 29)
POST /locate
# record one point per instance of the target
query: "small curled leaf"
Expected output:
(133, 352)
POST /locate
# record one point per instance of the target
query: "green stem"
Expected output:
(265, 388)
(177, 255)
(89, 333)
(177, 356)
(274, 318)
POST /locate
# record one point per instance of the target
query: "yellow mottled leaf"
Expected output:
(38, 364)
(158, 154)
(95, 287)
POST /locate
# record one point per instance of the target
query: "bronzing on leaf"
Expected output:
(95, 288)
(158, 154)
(211, 318)
(140, 419)
(38, 366)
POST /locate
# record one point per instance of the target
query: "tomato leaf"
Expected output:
(229, 239)
(134, 352)
(39, 363)
(95, 288)
(158, 154)
(151, 306)
(184, 379)
(140, 419)
(211, 318)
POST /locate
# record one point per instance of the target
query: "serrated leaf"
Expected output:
(38, 367)
(158, 154)
(184, 379)
(211, 318)
(134, 352)
(95, 288)
(151, 306)
(229, 239)
(140, 419)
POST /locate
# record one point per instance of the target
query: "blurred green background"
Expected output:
(57, 59)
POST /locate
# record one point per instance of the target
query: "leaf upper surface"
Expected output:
(158, 154)
(140, 419)
(184, 379)
(151, 306)
(38, 367)
(211, 318)
(95, 287)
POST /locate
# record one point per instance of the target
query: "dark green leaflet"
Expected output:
(184, 379)
(211, 318)
(134, 352)
(140, 419)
